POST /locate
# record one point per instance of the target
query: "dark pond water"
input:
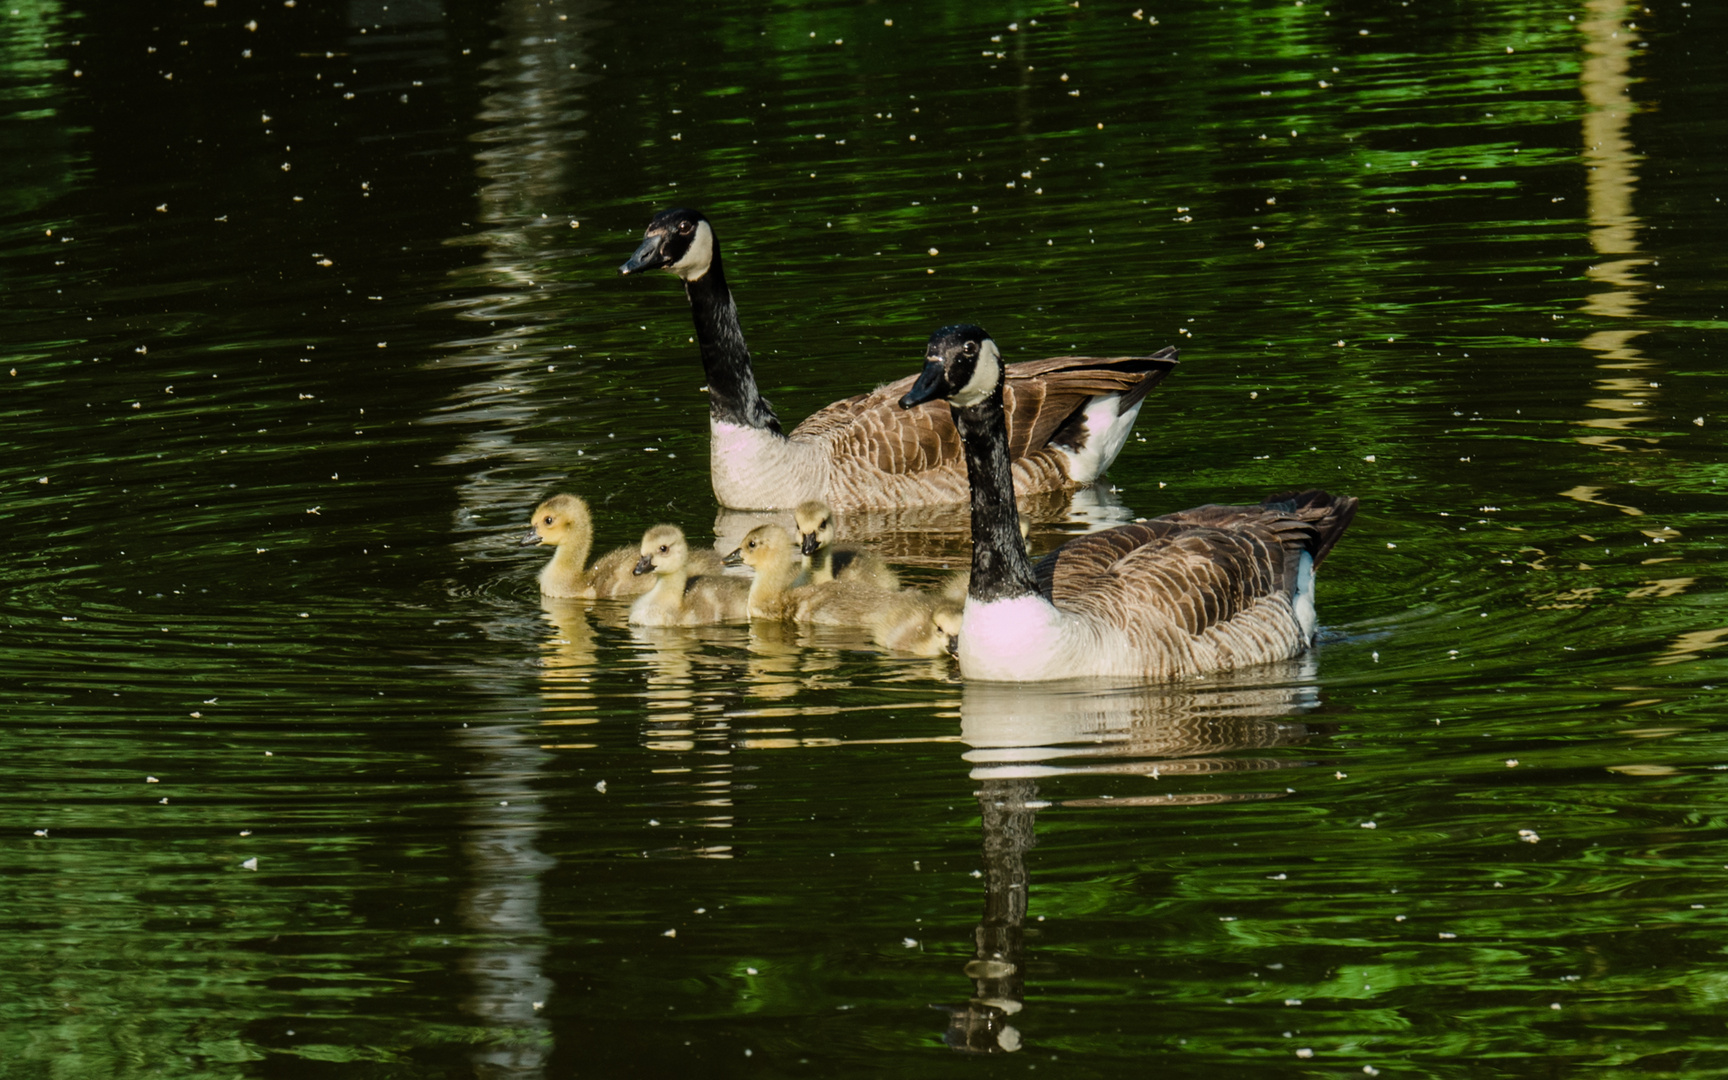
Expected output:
(307, 304)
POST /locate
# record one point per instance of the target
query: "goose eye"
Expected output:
(685, 226)
(971, 348)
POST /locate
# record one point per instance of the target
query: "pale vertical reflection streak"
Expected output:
(526, 157)
(521, 156)
(1624, 388)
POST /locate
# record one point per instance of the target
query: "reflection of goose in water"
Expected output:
(938, 537)
(1020, 734)
(567, 665)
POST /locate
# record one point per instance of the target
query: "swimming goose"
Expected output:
(905, 620)
(679, 598)
(564, 520)
(824, 560)
(1068, 416)
(916, 623)
(1207, 589)
(768, 551)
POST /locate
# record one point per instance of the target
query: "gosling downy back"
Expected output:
(1068, 416)
(1203, 590)
(917, 623)
(825, 560)
(678, 597)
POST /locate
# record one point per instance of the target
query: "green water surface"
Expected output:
(307, 305)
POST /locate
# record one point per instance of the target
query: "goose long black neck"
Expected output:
(1000, 567)
(732, 394)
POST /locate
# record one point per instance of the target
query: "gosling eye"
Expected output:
(662, 549)
(548, 519)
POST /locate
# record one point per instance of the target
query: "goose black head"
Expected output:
(961, 364)
(678, 240)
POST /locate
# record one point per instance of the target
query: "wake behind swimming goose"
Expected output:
(1068, 416)
(1202, 590)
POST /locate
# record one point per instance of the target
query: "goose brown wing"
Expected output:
(1043, 399)
(1198, 568)
(1039, 396)
(874, 428)
(1186, 574)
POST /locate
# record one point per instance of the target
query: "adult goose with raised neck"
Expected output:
(1068, 416)
(1208, 589)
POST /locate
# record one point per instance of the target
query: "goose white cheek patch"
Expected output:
(700, 257)
(985, 376)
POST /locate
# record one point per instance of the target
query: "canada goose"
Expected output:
(1207, 589)
(564, 520)
(679, 598)
(768, 551)
(916, 623)
(824, 560)
(1068, 416)
(901, 619)
(958, 583)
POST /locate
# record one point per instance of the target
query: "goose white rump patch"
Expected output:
(1107, 433)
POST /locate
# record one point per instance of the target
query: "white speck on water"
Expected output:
(1528, 836)
(600, 787)
(670, 933)
(250, 864)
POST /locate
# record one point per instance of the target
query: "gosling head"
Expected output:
(947, 618)
(663, 551)
(556, 519)
(765, 545)
(815, 523)
(678, 240)
(961, 364)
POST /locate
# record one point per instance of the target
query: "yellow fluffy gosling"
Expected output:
(679, 597)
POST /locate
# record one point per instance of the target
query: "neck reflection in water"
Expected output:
(1020, 734)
